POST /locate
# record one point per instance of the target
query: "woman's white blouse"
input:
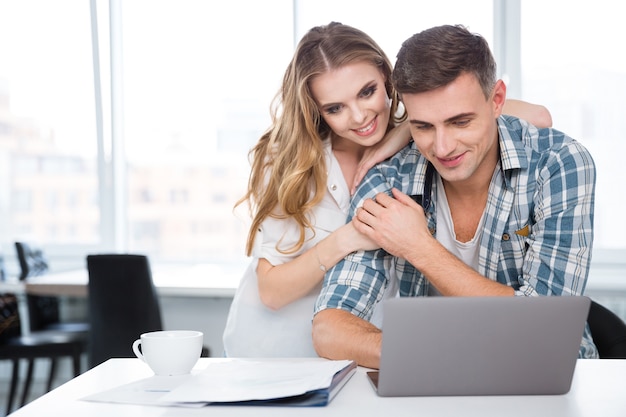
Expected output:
(252, 329)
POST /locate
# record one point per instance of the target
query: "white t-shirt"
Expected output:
(465, 251)
(252, 329)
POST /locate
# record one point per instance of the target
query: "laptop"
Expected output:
(437, 346)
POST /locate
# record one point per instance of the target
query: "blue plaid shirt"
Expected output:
(537, 235)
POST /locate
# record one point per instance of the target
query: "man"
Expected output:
(507, 208)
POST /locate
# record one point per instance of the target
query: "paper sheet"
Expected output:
(249, 380)
(147, 391)
(230, 381)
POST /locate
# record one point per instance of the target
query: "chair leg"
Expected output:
(29, 378)
(51, 374)
(15, 376)
(76, 363)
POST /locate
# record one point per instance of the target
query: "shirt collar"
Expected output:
(512, 150)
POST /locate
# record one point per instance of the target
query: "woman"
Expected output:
(333, 119)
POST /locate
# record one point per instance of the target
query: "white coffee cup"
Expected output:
(170, 352)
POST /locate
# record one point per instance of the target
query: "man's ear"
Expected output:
(498, 97)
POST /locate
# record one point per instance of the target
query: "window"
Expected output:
(184, 91)
(390, 22)
(48, 136)
(198, 80)
(571, 63)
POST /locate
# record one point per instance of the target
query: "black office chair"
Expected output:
(608, 332)
(36, 345)
(123, 304)
(44, 311)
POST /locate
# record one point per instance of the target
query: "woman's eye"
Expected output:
(368, 92)
(332, 109)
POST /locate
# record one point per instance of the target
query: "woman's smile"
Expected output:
(369, 129)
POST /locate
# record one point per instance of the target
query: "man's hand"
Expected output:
(396, 224)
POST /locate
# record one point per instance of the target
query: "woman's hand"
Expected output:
(396, 139)
(357, 240)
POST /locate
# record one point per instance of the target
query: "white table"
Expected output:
(598, 389)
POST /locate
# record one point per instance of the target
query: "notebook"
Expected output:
(436, 346)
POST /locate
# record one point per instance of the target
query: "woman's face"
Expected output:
(353, 102)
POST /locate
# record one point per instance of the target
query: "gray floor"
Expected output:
(38, 386)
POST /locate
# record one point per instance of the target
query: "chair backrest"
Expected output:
(42, 310)
(2, 271)
(608, 331)
(123, 304)
(10, 324)
(31, 259)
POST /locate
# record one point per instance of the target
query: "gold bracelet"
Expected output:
(321, 265)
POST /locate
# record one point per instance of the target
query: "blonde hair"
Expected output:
(288, 176)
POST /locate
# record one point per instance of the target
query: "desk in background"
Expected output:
(597, 390)
(202, 280)
(222, 280)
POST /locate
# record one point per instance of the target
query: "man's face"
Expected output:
(455, 128)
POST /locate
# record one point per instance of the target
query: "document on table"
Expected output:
(287, 382)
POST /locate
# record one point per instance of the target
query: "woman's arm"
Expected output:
(536, 114)
(396, 139)
(282, 284)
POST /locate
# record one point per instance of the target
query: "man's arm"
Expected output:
(351, 292)
(338, 334)
(399, 226)
(354, 286)
(450, 275)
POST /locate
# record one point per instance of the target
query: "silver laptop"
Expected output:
(435, 346)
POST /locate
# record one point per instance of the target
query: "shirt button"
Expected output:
(333, 187)
(506, 236)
